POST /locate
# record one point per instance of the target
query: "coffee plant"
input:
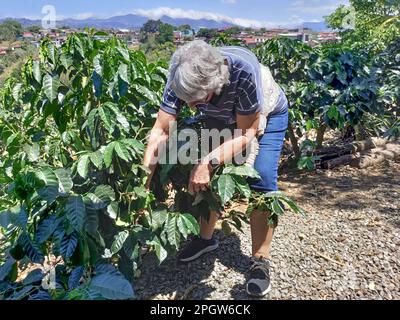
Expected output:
(327, 86)
(386, 66)
(74, 209)
(72, 139)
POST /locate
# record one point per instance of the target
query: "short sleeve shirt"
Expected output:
(242, 96)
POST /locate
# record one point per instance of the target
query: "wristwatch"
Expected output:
(214, 163)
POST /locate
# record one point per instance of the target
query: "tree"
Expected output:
(376, 23)
(155, 51)
(9, 30)
(165, 30)
(184, 27)
(34, 29)
(222, 39)
(151, 26)
(232, 30)
(166, 33)
(207, 33)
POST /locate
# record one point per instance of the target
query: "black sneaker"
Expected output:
(259, 283)
(196, 248)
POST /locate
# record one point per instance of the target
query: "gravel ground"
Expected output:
(347, 248)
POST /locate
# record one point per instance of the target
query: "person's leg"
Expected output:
(202, 244)
(267, 163)
(207, 227)
(206, 242)
(261, 234)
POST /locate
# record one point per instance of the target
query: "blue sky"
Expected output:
(244, 12)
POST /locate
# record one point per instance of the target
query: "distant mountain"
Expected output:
(129, 21)
(197, 24)
(134, 21)
(316, 26)
(25, 22)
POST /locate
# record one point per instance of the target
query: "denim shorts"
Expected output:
(271, 142)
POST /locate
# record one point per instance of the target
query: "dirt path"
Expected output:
(347, 248)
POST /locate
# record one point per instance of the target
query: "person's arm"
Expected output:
(200, 176)
(228, 150)
(157, 139)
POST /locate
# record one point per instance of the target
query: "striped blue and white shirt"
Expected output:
(243, 96)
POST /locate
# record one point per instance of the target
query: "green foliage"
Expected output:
(105, 282)
(9, 30)
(235, 220)
(207, 33)
(327, 87)
(72, 133)
(232, 31)
(12, 62)
(151, 26)
(386, 67)
(111, 286)
(72, 188)
(273, 202)
(34, 29)
(165, 31)
(330, 84)
(376, 23)
(228, 183)
(376, 32)
(157, 52)
(184, 27)
(223, 39)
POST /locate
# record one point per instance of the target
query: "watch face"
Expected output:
(214, 163)
(214, 166)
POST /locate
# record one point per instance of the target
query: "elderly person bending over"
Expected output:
(228, 86)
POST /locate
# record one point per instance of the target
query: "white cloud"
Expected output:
(296, 20)
(320, 7)
(83, 16)
(177, 13)
(30, 17)
(229, 1)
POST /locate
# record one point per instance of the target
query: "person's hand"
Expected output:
(200, 178)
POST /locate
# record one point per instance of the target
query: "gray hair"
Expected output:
(196, 70)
